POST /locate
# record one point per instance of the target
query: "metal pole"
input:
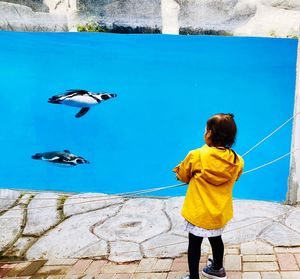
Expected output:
(293, 194)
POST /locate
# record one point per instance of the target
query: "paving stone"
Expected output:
(205, 247)
(292, 250)
(52, 269)
(95, 267)
(233, 275)
(62, 241)
(239, 231)
(41, 218)
(80, 267)
(173, 209)
(32, 268)
(280, 235)
(253, 208)
(8, 198)
(3, 271)
(20, 247)
(149, 276)
(56, 277)
(146, 265)
(249, 258)
(39, 276)
(162, 265)
(256, 248)
(87, 277)
(9, 265)
(123, 251)
(270, 275)
(287, 262)
(143, 205)
(25, 199)
(251, 275)
(233, 262)
(290, 274)
(297, 257)
(96, 250)
(61, 262)
(122, 276)
(105, 276)
(233, 246)
(115, 268)
(16, 270)
(265, 258)
(133, 226)
(201, 266)
(176, 275)
(292, 220)
(165, 246)
(232, 251)
(10, 224)
(86, 202)
(180, 265)
(203, 259)
(260, 266)
(259, 258)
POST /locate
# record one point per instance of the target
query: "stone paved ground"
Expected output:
(86, 235)
(245, 261)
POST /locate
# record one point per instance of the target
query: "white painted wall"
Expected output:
(293, 195)
(169, 12)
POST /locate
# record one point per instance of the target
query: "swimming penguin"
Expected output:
(80, 98)
(60, 158)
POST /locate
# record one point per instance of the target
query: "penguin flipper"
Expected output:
(82, 112)
(56, 159)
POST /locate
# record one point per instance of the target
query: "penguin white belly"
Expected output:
(80, 101)
(61, 165)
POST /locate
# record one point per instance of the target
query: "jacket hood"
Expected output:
(219, 165)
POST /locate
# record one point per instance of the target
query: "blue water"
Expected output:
(167, 87)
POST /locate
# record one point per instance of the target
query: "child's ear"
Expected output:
(208, 133)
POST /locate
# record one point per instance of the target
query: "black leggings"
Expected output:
(194, 253)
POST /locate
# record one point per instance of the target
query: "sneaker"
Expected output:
(212, 273)
(210, 261)
(186, 277)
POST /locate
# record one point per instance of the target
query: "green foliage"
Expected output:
(290, 36)
(91, 27)
(273, 34)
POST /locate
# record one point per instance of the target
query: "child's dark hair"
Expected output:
(223, 129)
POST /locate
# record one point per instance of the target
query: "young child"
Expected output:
(211, 172)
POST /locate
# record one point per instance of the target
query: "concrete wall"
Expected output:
(293, 196)
(123, 13)
(278, 18)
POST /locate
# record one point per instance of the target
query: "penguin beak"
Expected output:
(36, 156)
(82, 161)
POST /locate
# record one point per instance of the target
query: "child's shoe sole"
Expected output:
(212, 276)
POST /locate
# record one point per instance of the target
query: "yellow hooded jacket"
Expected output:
(210, 173)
